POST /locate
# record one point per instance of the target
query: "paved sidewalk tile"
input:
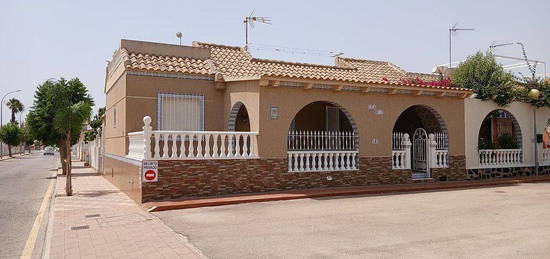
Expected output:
(99, 221)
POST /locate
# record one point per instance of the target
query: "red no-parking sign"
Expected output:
(149, 171)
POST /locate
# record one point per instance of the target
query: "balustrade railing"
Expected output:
(180, 145)
(321, 140)
(500, 157)
(545, 157)
(307, 161)
(440, 159)
(401, 151)
(136, 145)
(400, 159)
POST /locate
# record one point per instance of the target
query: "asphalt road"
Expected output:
(500, 222)
(23, 184)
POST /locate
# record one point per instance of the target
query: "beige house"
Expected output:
(220, 121)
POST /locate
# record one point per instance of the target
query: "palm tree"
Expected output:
(15, 106)
(66, 121)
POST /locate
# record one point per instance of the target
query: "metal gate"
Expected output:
(420, 154)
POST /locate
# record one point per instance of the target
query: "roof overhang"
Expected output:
(366, 87)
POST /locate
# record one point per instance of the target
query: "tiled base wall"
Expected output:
(195, 178)
(489, 173)
(455, 172)
(124, 176)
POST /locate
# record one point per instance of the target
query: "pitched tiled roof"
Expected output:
(423, 76)
(159, 63)
(236, 62)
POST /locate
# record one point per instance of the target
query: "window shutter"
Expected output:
(332, 120)
(181, 112)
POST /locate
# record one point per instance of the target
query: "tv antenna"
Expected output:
(250, 20)
(451, 30)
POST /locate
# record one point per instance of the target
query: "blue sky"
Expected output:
(51, 39)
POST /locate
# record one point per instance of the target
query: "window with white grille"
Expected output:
(183, 112)
(332, 120)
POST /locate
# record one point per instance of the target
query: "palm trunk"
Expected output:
(69, 186)
(63, 155)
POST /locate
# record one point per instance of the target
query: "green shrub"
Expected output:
(507, 141)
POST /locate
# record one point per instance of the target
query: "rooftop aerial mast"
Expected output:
(452, 30)
(250, 20)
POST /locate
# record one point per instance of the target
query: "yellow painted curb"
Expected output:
(33, 235)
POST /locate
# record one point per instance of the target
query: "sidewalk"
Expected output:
(6, 157)
(338, 191)
(99, 221)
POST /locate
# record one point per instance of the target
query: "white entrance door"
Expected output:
(420, 154)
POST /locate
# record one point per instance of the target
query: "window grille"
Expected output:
(332, 119)
(181, 112)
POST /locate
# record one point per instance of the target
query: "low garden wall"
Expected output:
(179, 179)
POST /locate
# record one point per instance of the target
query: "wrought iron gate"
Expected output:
(420, 154)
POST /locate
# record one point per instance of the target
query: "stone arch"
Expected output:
(487, 134)
(430, 119)
(238, 118)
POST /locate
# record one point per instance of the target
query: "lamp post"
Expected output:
(534, 95)
(2, 118)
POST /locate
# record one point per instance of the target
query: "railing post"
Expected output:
(406, 162)
(253, 145)
(147, 129)
(432, 145)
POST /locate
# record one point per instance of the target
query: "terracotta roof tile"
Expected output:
(231, 61)
(172, 64)
(235, 61)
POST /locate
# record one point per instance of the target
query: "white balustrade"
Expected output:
(545, 157)
(440, 159)
(494, 158)
(400, 159)
(308, 161)
(401, 151)
(321, 140)
(439, 153)
(135, 145)
(182, 145)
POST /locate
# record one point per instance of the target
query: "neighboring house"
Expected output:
(499, 140)
(220, 121)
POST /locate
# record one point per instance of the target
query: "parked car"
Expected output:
(49, 151)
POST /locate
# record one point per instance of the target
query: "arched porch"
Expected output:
(420, 141)
(322, 137)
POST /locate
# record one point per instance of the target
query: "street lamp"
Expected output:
(534, 95)
(2, 106)
(2, 118)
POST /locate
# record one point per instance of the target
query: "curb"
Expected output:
(17, 155)
(318, 193)
(49, 227)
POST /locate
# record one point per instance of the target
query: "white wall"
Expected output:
(14, 150)
(475, 112)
